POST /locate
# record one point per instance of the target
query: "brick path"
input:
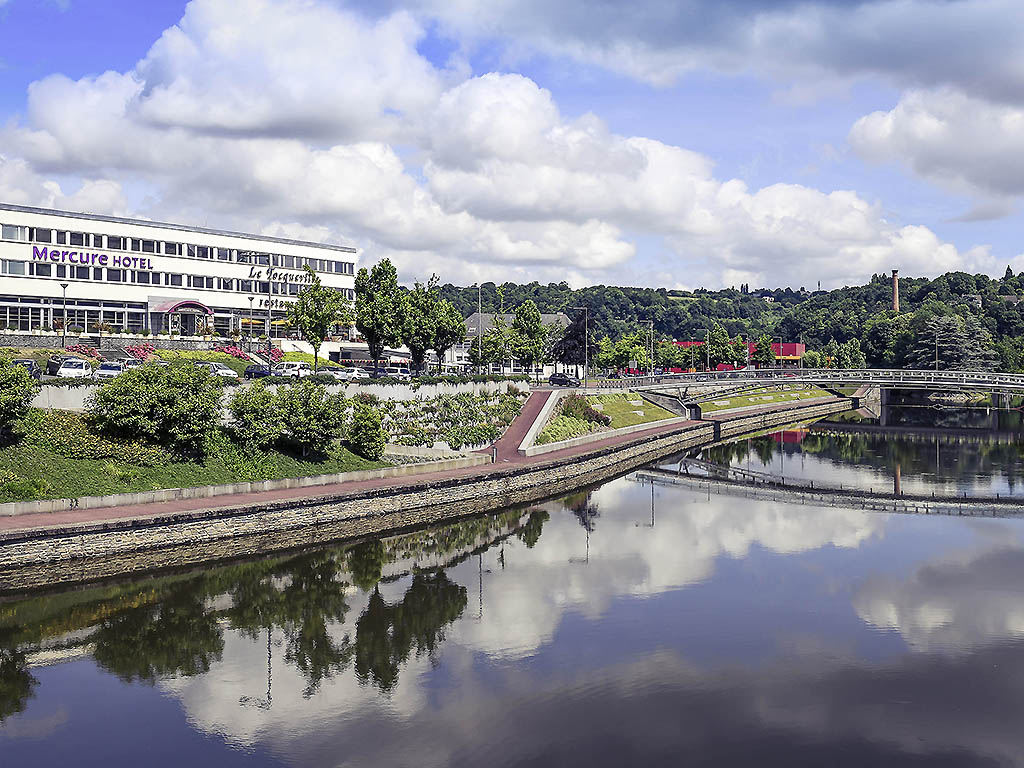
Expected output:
(508, 454)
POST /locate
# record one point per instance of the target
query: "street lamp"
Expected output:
(650, 326)
(250, 322)
(64, 326)
(479, 325)
(586, 341)
(778, 360)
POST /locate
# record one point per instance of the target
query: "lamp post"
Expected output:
(270, 343)
(650, 327)
(250, 322)
(479, 326)
(64, 325)
(778, 360)
(586, 341)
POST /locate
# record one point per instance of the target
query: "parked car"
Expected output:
(54, 363)
(108, 370)
(563, 380)
(257, 371)
(132, 362)
(398, 373)
(218, 369)
(31, 366)
(74, 368)
(294, 369)
(357, 373)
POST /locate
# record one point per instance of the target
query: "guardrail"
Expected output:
(1006, 383)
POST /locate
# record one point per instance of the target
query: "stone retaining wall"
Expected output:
(32, 559)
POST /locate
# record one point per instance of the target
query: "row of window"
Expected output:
(141, 277)
(117, 243)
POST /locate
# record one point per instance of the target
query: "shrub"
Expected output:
(256, 416)
(18, 489)
(17, 389)
(233, 352)
(68, 434)
(177, 407)
(366, 436)
(84, 351)
(311, 416)
(578, 407)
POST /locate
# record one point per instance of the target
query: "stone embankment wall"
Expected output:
(36, 559)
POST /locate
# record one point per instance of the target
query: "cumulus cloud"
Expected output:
(958, 141)
(365, 141)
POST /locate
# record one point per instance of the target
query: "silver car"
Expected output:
(108, 370)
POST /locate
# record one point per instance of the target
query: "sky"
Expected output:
(664, 143)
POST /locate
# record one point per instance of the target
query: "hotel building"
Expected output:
(132, 275)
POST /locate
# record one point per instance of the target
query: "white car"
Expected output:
(74, 368)
(219, 369)
(399, 373)
(357, 373)
(292, 368)
(107, 370)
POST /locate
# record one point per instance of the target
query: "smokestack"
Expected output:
(896, 290)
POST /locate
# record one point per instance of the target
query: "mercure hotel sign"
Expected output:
(121, 261)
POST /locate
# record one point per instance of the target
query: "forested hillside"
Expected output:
(942, 312)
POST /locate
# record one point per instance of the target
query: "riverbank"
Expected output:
(85, 545)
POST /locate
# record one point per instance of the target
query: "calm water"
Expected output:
(630, 625)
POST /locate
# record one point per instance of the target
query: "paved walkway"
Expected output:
(508, 455)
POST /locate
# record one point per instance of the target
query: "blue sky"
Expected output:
(662, 143)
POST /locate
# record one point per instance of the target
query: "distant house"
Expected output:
(1014, 300)
(973, 299)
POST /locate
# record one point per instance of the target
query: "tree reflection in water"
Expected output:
(174, 625)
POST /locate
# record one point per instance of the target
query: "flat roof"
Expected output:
(166, 225)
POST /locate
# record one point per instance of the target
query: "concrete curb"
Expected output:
(538, 424)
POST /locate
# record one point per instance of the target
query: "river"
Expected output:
(631, 624)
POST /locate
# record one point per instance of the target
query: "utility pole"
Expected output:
(64, 325)
(586, 340)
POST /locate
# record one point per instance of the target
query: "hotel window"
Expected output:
(115, 275)
(7, 232)
(224, 254)
(80, 273)
(143, 278)
(115, 243)
(245, 286)
(262, 259)
(148, 246)
(293, 289)
(244, 257)
(97, 273)
(263, 287)
(41, 270)
(172, 279)
(97, 241)
(62, 238)
(202, 251)
(288, 261)
(62, 271)
(40, 235)
(13, 267)
(76, 238)
(172, 249)
(225, 283)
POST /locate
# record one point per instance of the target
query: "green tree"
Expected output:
(850, 355)
(256, 416)
(17, 389)
(177, 406)
(316, 311)
(605, 355)
(366, 435)
(366, 563)
(528, 334)
(719, 346)
(379, 308)
(16, 683)
(449, 329)
(418, 321)
(764, 356)
(311, 416)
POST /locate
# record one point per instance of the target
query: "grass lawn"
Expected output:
(50, 467)
(766, 396)
(627, 409)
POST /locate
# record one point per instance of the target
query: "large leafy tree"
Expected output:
(317, 310)
(576, 343)
(449, 329)
(418, 320)
(763, 356)
(528, 334)
(720, 348)
(17, 389)
(379, 307)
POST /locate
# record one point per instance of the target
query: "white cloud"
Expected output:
(364, 141)
(960, 142)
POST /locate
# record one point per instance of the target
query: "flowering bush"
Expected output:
(81, 349)
(276, 355)
(141, 351)
(233, 351)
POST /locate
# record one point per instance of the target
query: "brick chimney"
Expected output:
(896, 290)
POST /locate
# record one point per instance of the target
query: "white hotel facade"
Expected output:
(133, 275)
